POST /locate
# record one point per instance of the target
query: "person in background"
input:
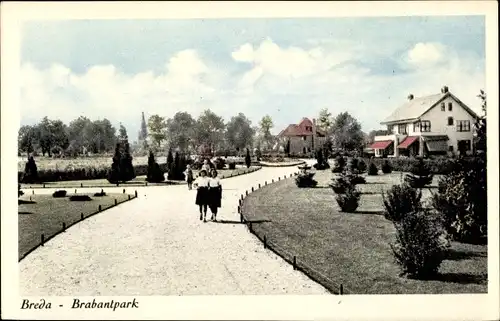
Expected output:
(188, 173)
(206, 166)
(215, 192)
(202, 194)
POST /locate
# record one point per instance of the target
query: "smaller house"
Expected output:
(304, 137)
(435, 124)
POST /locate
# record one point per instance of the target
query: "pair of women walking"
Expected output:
(209, 193)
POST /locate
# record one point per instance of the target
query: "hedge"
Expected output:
(440, 166)
(83, 173)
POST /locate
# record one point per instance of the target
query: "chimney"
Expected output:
(444, 90)
(410, 97)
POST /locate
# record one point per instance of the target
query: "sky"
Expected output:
(285, 68)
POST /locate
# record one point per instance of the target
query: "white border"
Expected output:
(432, 307)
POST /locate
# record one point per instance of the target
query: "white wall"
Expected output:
(439, 122)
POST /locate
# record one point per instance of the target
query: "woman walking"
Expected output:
(206, 166)
(202, 194)
(215, 192)
(189, 176)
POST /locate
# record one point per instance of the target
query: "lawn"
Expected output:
(353, 249)
(46, 215)
(138, 181)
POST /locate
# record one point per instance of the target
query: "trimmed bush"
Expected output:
(19, 192)
(349, 200)
(220, 163)
(30, 172)
(340, 184)
(418, 248)
(176, 171)
(80, 198)
(401, 200)
(100, 194)
(462, 201)
(232, 165)
(59, 193)
(155, 174)
(386, 167)
(321, 161)
(420, 175)
(122, 169)
(361, 166)
(339, 164)
(372, 169)
(248, 160)
(305, 180)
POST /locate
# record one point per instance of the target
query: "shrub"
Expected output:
(340, 184)
(418, 248)
(122, 169)
(79, 198)
(462, 201)
(170, 159)
(248, 160)
(401, 200)
(305, 180)
(59, 193)
(232, 165)
(177, 168)
(349, 200)
(386, 167)
(100, 194)
(220, 163)
(420, 175)
(353, 165)
(19, 192)
(321, 161)
(155, 174)
(339, 164)
(361, 166)
(372, 169)
(30, 172)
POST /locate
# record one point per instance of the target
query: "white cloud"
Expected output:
(426, 55)
(287, 83)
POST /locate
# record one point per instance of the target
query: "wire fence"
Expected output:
(296, 261)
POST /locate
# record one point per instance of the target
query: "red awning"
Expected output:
(408, 141)
(383, 144)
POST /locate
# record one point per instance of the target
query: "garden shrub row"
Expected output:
(439, 166)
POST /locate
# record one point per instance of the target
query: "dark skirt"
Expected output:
(202, 196)
(215, 196)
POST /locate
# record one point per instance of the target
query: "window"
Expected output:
(390, 128)
(450, 148)
(304, 137)
(450, 121)
(425, 126)
(450, 106)
(416, 127)
(309, 128)
(463, 126)
(443, 108)
(402, 129)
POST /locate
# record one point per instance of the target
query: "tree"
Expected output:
(122, 132)
(239, 132)
(157, 129)
(155, 174)
(325, 120)
(122, 169)
(114, 173)
(52, 133)
(180, 130)
(480, 127)
(176, 170)
(265, 126)
(30, 171)
(248, 160)
(209, 130)
(347, 133)
(28, 138)
(170, 159)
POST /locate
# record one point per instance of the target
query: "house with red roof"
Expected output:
(434, 124)
(304, 137)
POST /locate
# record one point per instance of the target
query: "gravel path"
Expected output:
(156, 245)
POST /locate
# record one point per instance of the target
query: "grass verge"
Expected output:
(43, 214)
(352, 249)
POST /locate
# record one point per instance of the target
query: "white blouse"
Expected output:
(201, 181)
(214, 181)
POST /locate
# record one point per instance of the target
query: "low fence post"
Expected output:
(129, 197)
(81, 216)
(33, 192)
(43, 240)
(135, 193)
(81, 184)
(239, 209)
(241, 218)
(265, 242)
(341, 290)
(246, 192)
(116, 202)
(295, 263)
(64, 226)
(265, 183)
(259, 185)
(75, 190)
(99, 208)
(123, 191)
(241, 196)
(284, 177)
(279, 178)
(252, 188)
(44, 185)
(250, 226)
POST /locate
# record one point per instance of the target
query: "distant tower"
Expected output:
(143, 132)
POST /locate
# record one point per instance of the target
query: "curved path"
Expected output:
(156, 245)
